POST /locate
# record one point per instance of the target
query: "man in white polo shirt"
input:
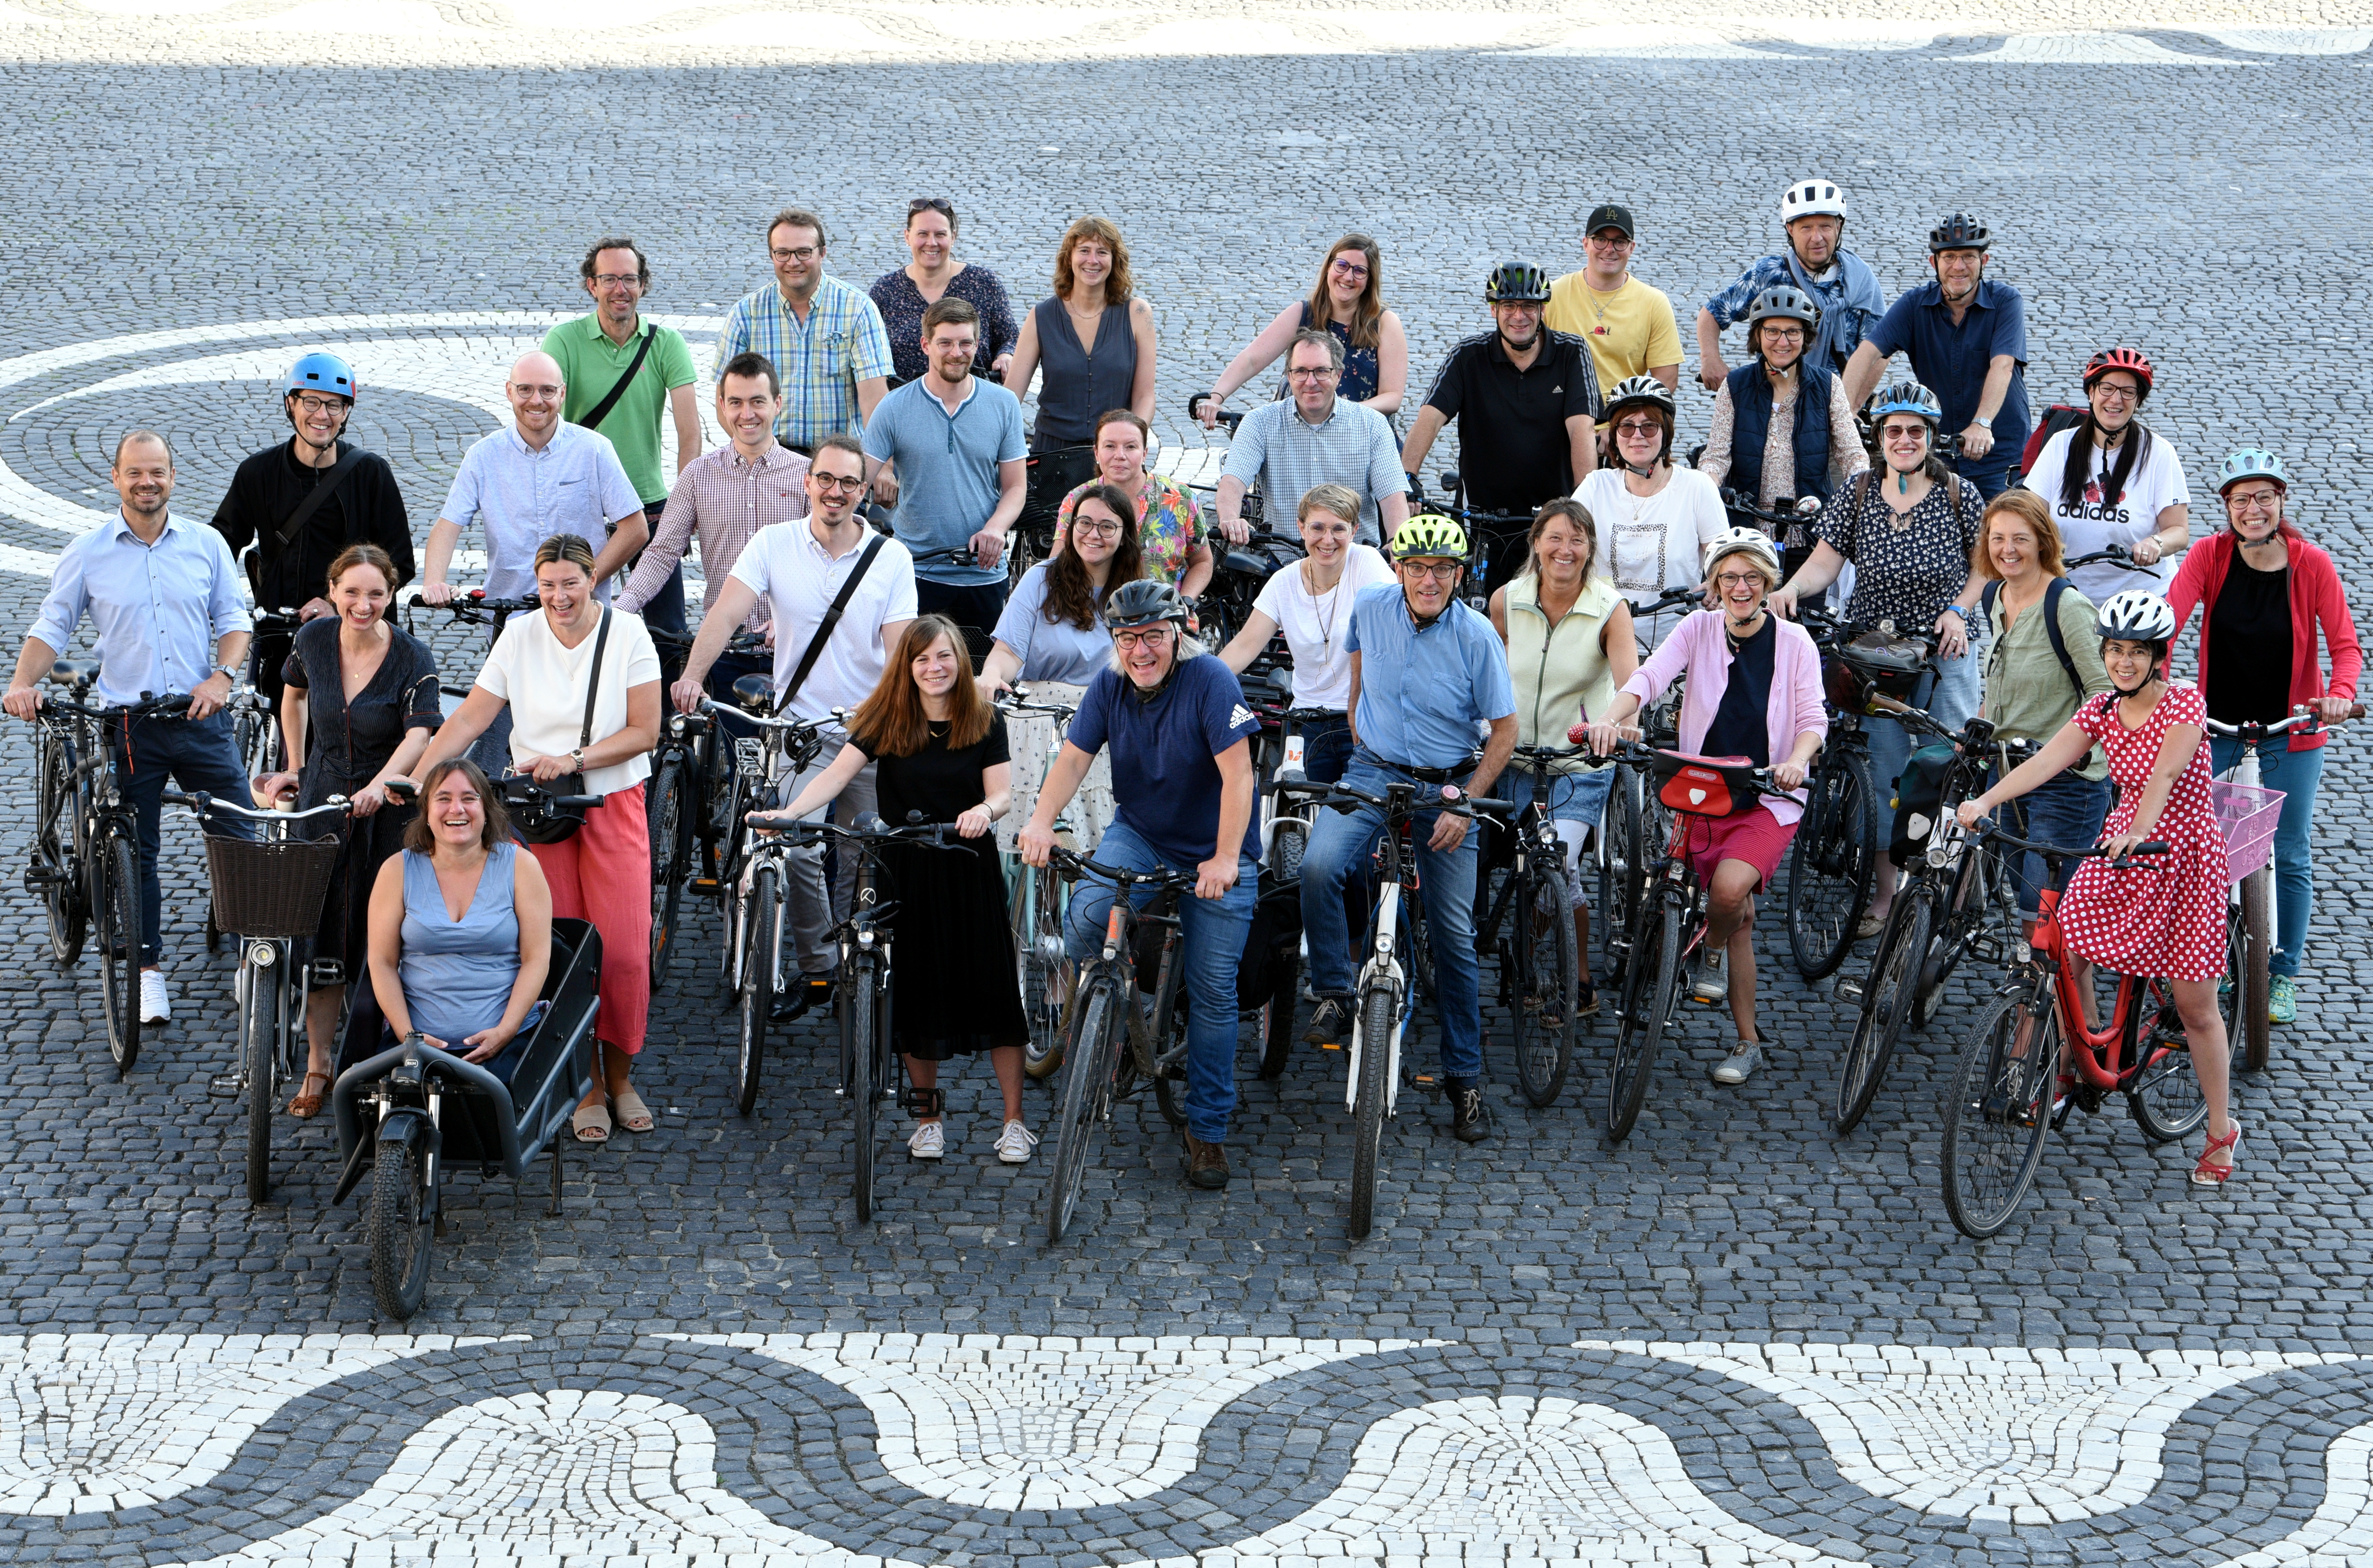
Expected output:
(804, 568)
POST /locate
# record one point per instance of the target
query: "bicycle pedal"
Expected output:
(226, 1085)
(1847, 989)
(35, 878)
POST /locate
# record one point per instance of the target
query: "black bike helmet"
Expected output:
(1144, 602)
(1959, 232)
(1516, 283)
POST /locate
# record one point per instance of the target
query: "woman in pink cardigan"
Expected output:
(2266, 592)
(1754, 693)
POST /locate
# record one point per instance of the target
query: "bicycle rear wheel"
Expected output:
(1831, 864)
(118, 898)
(670, 842)
(1888, 999)
(259, 1035)
(1038, 949)
(55, 867)
(1276, 1019)
(2164, 1094)
(1548, 984)
(1368, 1109)
(762, 944)
(2249, 949)
(861, 1051)
(1095, 1047)
(1651, 986)
(1621, 870)
(1998, 1113)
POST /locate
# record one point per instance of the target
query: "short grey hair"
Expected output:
(1188, 646)
(1327, 340)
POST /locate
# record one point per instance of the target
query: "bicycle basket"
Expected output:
(2246, 814)
(270, 889)
(1892, 663)
(1703, 786)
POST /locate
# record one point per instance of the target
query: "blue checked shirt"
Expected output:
(156, 610)
(841, 343)
(1850, 299)
(523, 495)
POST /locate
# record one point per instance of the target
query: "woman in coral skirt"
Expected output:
(2163, 916)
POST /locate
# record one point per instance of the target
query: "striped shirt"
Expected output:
(821, 359)
(728, 499)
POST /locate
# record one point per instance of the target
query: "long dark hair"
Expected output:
(892, 720)
(2131, 453)
(1365, 326)
(1071, 596)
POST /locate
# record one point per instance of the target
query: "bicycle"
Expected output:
(1632, 824)
(86, 860)
(1788, 520)
(1671, 920)
(1049, 475)
(1540, 962)
(689, 800)
(2018, 1079)
(268, 893)
(1251, 512)
(1387, 991)
(1036, 907)
(1111, 1045)
(862, 987)
(254, 721)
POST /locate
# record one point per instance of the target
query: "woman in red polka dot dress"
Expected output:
(2164, 915)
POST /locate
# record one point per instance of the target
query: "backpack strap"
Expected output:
(302, 513)
(2051, 592)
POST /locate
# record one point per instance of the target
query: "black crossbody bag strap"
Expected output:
(831, 619)
(593, 686)
(601, 411)
(295, 521)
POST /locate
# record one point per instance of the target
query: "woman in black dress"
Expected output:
(360, 701)
(939, 749)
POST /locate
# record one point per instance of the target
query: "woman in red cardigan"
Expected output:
(2267, 590)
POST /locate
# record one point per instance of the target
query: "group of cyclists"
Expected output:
(889, 554)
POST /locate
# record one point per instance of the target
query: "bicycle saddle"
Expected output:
(74, 671)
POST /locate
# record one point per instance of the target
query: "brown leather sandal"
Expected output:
(305, 1103)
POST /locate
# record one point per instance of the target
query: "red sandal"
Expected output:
(2205, 1174)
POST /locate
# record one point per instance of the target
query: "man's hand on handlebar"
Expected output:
(988, 548)
(1976, 441)
(1712, 373)
(1208, 411)
(1234, 528)
(434, 592)
(1037, 845)
(686, 695)
(22, 702)
(208, 697)
(1449, 829)
(1215, 876)
(314, 609)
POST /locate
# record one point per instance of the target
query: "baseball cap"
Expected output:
(1607, 214)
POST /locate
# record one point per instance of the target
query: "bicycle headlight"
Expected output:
(262, 955)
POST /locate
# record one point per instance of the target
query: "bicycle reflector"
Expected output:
(1703, 786)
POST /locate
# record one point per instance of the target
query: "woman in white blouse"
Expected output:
(543, 668)
(1654, 521)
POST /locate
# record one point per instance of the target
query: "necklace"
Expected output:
(1597, 310)
(1326, 623)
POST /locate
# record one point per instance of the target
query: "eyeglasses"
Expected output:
(1348, 267)
(1902, 433)
(2267, 501)
(1443, 570)
(1152, 636)
(1314, 373)
(1646, 429)
(308, 403)
(1612, 242)
(1739, 580)
(1784, 334)
(836, 481)
(615, 279)
(803, 255)
(2120, 390)
(932, 204)
(1105, 528)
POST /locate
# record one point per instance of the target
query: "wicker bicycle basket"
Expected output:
(270, 889)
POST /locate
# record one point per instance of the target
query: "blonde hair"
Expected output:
(570, 547)
(1337, 500)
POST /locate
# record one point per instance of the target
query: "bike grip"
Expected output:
(575, 802)
(1483, 804)
(1578, 734)
(2151, 847)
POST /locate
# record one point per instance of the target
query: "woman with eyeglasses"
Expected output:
(1651, 521)
(2111, 481)
(1782, 426)
(2266, 593)
(1348, 301)
(903, 294)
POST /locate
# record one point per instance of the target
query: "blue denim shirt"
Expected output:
(1849, 298)
(1425, 691)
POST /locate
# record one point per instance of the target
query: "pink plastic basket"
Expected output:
(2248, 814)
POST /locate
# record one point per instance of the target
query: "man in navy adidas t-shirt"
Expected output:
(1182, 770)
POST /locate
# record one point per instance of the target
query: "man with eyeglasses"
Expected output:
(1527, 400)
(1427, 676)
(1630, 327)
(1310, 438)
(825, 337)
(625, 375)
(823, 661)
(1966, 336)
(960, 454)
(304, 500)
(1813, 217)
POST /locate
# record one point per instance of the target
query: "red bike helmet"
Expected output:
(2131, 361)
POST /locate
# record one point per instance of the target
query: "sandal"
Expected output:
(305, 1103)
(633, 1114)
(1869, 926)
(591, 1123)
(2205, 1174)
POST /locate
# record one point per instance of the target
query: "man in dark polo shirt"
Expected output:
(1526, 401)
(362, 505)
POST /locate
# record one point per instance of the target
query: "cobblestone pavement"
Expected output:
(1734, 1338)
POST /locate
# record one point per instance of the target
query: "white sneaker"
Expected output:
(1013, 1145)
(1713, 983)
(930, 1141)
(155, 997)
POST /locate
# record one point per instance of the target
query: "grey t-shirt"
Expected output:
(1051, 651)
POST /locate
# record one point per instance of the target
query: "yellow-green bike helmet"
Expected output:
(1428, 535)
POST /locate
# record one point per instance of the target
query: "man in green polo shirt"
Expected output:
(597, 353)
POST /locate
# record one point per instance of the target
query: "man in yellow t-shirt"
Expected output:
(1630, 327)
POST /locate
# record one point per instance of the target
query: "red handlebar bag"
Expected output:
(1704, 786)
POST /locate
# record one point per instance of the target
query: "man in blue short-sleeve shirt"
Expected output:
(1966, 336)
(1428, 678)
(1176, 722)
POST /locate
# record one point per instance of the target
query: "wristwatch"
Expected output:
(228, 672)
(578, 757)
(1982, 423)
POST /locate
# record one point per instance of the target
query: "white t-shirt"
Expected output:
(800, 579)
(545, 683)
(2155, 484)
(1649, 544)
(1315, 627)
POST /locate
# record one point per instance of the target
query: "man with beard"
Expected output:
(1526, 401)
(304, 500)
(1966, 335)
(1813, 213)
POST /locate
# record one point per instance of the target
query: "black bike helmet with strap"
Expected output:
(1959, 232)
(1514, 283)
(1144, 602)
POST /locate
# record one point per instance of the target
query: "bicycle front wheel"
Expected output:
(1368, 1109)
(1998, 1113)
(399, 1231)
(670, 842)
(1622, 866)
(1651, 985)
(53, 857)
(1095, 1047)
(1888, 999)
(761, 948)
(1548, 985)
(261, 1035)
(1038, 956)
(1831, 864)
(861, 1050)
(1950, 931)
(118, 898)
(2250, 949)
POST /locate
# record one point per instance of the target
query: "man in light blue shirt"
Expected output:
(1427, 676)
(1310, 438)
(959, 449)
(166, 616)
(824, 338)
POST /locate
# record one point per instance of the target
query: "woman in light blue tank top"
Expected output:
(468, 983)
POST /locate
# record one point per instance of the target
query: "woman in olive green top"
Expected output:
(2034, 682)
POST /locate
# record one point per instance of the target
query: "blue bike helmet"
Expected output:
(1907, 397)
(320, 371)
(2251, 462)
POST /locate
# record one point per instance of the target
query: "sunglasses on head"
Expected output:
(930, 204)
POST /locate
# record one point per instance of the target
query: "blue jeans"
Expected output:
(2066, 811)
(1326, 749)
(1339, 845)
(1950, 698)
(2295, 774)
(1214, 932)
(1991, 476)
(198, 755)
(1576, 802)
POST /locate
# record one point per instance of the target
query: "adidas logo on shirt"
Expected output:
(1240, 714)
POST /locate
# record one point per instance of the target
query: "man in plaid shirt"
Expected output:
(824, 336)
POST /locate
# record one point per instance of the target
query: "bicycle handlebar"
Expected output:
(768, 721)
(2302, 718)
(1343, 797)
(2054, 852)
(170, 705)
(1635, 753)
(1161, 876)
(873, 831)
(201, 803)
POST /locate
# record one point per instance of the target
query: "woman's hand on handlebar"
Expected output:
(976, 822)
(544, 769)
(1216, 875)
(1208, 411)
(1605, 737)
(1973, 810)
(1037, 843)
(2334, 709)
(272, 785)
(1788, 775)
(366, 800)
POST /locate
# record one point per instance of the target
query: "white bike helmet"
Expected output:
(1812, 198)
(2136, 616)
(1744, 542)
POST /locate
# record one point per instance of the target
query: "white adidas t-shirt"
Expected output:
(2155, 484)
